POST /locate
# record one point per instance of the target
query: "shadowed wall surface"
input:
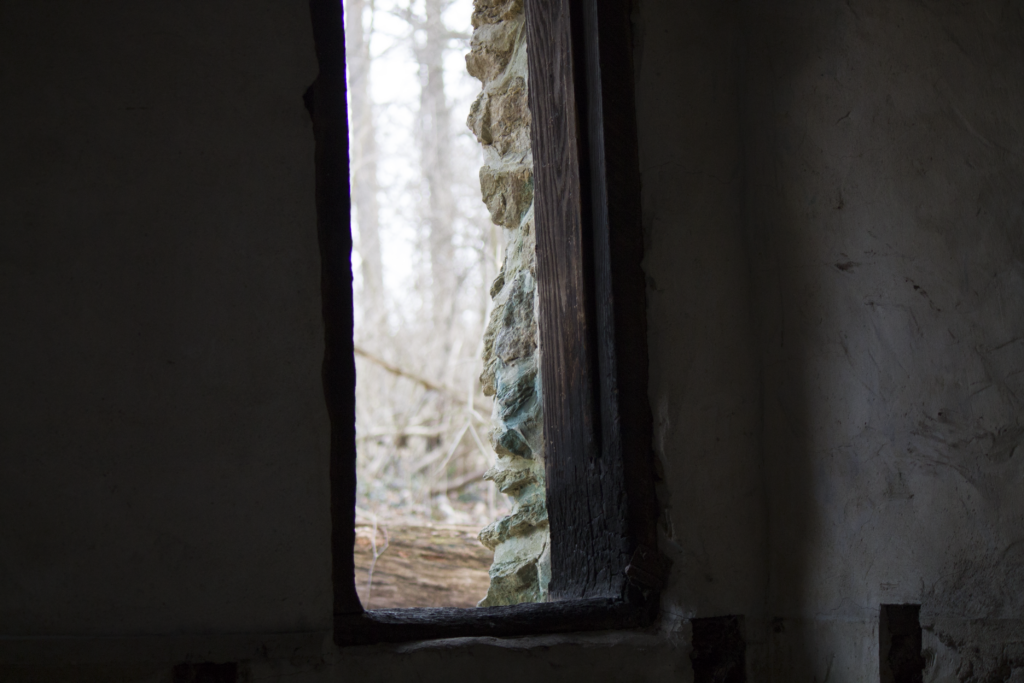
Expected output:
(164, 438)
(835, 262)
(883, 164)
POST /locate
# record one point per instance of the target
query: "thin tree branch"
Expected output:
(459, 484)
(423, 381)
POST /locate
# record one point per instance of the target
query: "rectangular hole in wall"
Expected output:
(206, 672)
(719, 651)
(899, 644)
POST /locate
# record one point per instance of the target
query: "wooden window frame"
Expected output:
(606, 570)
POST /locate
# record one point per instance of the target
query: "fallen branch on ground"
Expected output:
(459, 484)
(423, 381)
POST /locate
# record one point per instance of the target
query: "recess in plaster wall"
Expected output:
(719, 650)
(899, 644)
(206, 672)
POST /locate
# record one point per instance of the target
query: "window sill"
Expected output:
(435, 623)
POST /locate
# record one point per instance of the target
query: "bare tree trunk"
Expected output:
(419, 407)
(435, 158)
(365, 185)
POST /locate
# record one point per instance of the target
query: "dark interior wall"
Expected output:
(833, 218)
(833, 189)
(163, 433)
(883, 146)
(704, 378)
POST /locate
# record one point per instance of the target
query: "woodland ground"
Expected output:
(421, 566)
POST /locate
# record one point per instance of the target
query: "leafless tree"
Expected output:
(421, 417)
(430, 42)
(365, 185)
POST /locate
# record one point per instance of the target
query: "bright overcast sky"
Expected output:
(395, 91)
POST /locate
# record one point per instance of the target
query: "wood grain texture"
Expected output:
(583, 490)
(619, 282)
(402, 625)
(592, 293)
(328, 106)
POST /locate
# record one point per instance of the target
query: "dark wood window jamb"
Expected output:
(605, 566)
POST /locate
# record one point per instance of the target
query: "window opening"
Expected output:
(605, 567)
(450, 507)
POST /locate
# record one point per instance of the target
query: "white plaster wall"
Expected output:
(883, 146)
(833, 190)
